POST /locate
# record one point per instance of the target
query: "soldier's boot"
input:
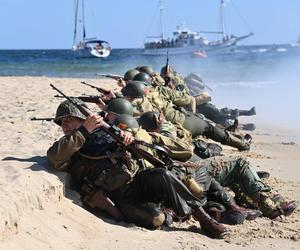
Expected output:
(234, 214)
(170, 216)
(145, 214)
(241, 144)
(273, 208)
(234, 126)
(208, 224)
(99, 200)
(249, 112)
(250, 214)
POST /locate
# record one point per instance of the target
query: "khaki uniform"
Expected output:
(92, 158)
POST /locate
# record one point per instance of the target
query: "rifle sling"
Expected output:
(153, 146)
(113, 155)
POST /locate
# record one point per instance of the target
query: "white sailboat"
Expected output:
(185, 41)
(83, 46)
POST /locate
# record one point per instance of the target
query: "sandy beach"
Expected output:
(40, 211)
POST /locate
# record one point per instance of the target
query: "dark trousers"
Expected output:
(159, 185)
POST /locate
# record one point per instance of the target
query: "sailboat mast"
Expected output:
(83, 23)
(75, 25)
(162, 35)
(222, 18)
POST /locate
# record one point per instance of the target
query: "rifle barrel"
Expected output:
(49, 119)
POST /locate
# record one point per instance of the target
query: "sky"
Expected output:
(49, 24)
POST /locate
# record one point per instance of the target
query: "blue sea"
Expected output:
(265, 76)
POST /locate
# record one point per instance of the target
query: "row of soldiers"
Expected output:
(142, 158)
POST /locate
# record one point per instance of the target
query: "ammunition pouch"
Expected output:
(109, 171)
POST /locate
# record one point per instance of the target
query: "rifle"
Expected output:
(115, 133)
(48, 119)
(112, 76)
(167, 77)
(101, 90)
(91, 98)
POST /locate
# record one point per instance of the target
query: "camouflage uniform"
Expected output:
(195, 124)
(230, 171)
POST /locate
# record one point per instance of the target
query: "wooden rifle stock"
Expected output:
(91, 99)
(101, 90)
(112, 76)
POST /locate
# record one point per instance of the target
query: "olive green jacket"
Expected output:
(60, 153)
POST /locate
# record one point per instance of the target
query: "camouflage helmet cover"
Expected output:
(66, 108)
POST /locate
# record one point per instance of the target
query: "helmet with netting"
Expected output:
(66, 108)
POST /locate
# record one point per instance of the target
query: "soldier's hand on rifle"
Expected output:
(159, 119)
(101, 104)
(121, 83)
(92, 122)
(109, 96)
(127, 137)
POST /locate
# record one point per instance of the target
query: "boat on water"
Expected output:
(297, 43)
(186, 41)
(83, 46)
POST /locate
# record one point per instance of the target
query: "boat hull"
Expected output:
(207, 49)
(90, 53)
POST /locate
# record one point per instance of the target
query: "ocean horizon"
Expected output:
(265, 76)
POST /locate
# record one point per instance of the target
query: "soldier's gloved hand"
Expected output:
(127, 138)
(92, 122)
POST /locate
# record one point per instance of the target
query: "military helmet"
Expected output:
(130, 74)
(138, 67)
(120, 106)
(134, 89)
(146, 69)
(142, 77)
(147, 120)
(66, 108)
(126, 121)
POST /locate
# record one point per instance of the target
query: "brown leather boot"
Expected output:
(250, 214)
(208, 224)
(285, 208)
(99, 200)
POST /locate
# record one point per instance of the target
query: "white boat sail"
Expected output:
(83, 46)
(185, 41)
